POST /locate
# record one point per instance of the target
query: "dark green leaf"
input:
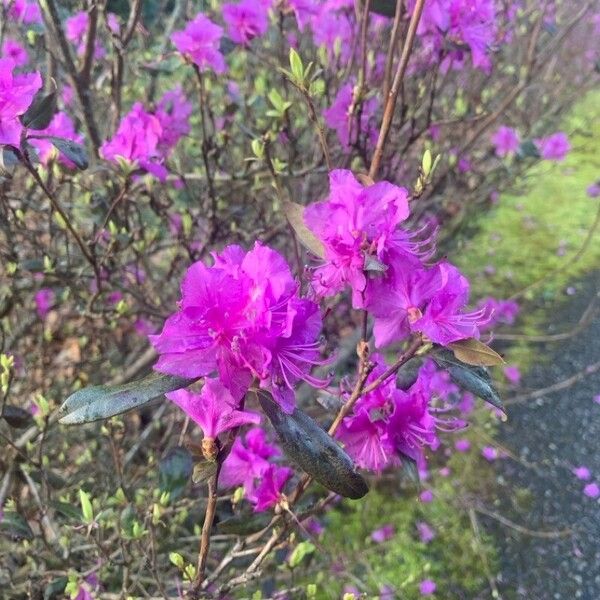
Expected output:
(68, 510)
(387, 8)
(528, 149)
(204, 470)
(409, 467)
(314, 450)
(14, 526)
(471, 378)
(9, 157)
(56, 588)
(17, 417)
(41, 111)
(72, 150)
(174, 472)
(102, 401)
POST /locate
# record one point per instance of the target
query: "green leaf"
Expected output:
(474, 352)
(174, 472)
(16, 416)
(426, 163)
(314, 450)
(86, 507)
(40, 112)
(67, 510)
(204, 470)
(14, 526)
(299, 553)
(72, 150)
(387, 8)
(295, 216)
(296, 66)
(528, 149)
(471, 378)
(102, 401)
(56, 588)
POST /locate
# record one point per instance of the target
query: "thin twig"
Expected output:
(390, 105)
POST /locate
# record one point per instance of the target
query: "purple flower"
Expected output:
(498, 312)
(554, 147)
(582, 473)
(173, 113)
(430, 301)
(462, 445)
(356, 225)
(26, 12)
(16, 94)
(245, 20)
(137, 141)
(214, 409)
(199, 42)
(592, 490)
(426, 496)
(389, 424)
(489, 453)
(44, 299)
(427, 587)
(512, 373)
(593, 190)
(346, 125)
(14, 50)
(76, 32)
(426, 533)
(63, 127)
(469, 23)
(383, 534)
(270, 490)
(597, 398)
(506, 140)
(247, 461)
(243, 319)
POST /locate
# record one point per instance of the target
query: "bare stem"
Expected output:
(390, 104)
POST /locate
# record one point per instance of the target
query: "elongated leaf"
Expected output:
(101, 401)
(175, 471)
(14, 526)
(474, 352)
(72, 150)
(40, 112)
(471, 378)
(295, 215)
(314, 450)
(71, 511)
(16, 416)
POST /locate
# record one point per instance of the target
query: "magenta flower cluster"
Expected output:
(146, 139)
(243, 318)
(383, 264)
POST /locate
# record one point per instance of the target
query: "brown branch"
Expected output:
(211, 509)
(390, 105)
(389, 59)
(52, 20)
(90, 45)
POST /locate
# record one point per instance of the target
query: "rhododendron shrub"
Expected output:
(245, 210)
